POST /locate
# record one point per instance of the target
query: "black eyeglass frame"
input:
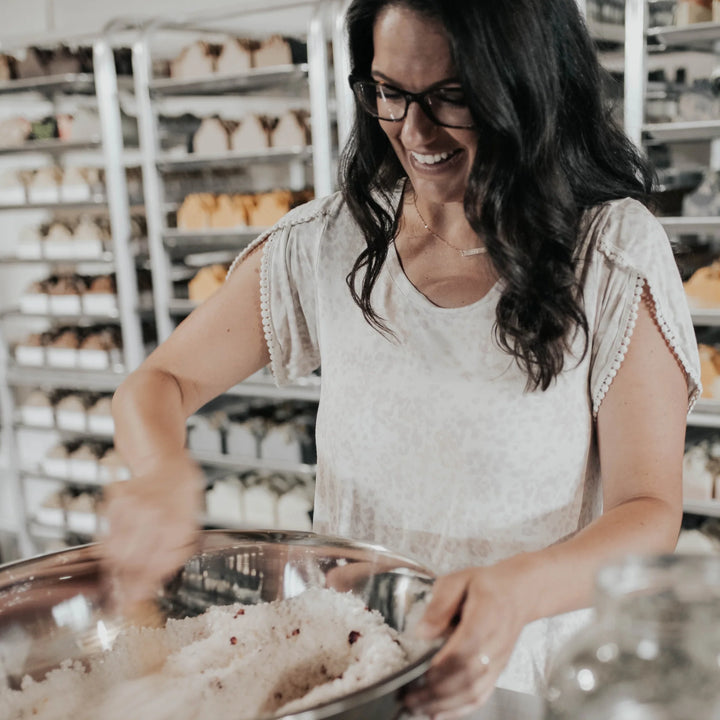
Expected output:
(409, 97)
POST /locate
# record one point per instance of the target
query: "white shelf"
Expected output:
(698, 35)
(54, 146)
(238, 463)
(710, 508)
(706, 317)
(179, 306)
(177, 238)
(57, 532)
(308, 390)
(60, 378)
(705, 414)
(250, 81)
(46, 532)
(607, 32)
(190, 161)
(690, 225)
(30, 474)
(64, 432)
(105, 258)
(81, 83)
(684, 131)
(62, 317)
(93, 204)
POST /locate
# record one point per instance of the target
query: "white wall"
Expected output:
(34, 20)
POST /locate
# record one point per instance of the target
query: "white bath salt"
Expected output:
(235, 662)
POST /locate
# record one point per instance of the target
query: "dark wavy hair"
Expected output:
(549, 150)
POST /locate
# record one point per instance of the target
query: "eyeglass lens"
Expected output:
(446, 105)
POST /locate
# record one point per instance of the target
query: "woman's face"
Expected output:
(412, 54)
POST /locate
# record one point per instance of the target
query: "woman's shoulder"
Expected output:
(312, 212)
(625, 233)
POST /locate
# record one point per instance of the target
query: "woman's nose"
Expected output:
(417, 126)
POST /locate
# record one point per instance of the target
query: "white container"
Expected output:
(100, 304)
(37, 416)
(89, 359)
(34, 303)
(56, 467)
(62, 357)
(100, 424)
(30, 355)
(71, 420)
(65, 304)
(83, 469)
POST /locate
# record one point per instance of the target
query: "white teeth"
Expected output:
(431, 159)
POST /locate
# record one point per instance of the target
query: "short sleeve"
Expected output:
(630, 252)
(288, 291)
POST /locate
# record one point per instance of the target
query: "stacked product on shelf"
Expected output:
(255, 501)
(204, 210)
(227, 123)
(74, 323)
(234, 55)
(680, 131)
(77, 465)
(229, 120)
(271, 448)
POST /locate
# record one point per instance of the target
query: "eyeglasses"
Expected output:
(445, 106)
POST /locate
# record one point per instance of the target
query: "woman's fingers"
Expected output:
(152, 529)
(463, 673)
(445, 604)
(476, 624)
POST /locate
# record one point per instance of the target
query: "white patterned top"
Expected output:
(428, 443)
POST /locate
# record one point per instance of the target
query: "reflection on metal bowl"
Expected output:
(53, 607)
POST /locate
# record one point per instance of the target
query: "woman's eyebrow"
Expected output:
(377, 74)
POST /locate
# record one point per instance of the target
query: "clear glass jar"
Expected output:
(653, 651)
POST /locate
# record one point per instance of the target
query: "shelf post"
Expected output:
(106, 89)
(7, 425)
(323, 175)
(341, 66)
(635, 68)
(152, 187)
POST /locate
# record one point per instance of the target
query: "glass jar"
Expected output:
(653, 651)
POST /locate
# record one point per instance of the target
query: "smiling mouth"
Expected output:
(434, 159)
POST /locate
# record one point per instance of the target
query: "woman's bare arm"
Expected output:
(152, 517)
(217, 346)
(641, 432)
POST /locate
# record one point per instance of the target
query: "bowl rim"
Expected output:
(237, 538)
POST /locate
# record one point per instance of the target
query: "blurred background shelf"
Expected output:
(238, 83)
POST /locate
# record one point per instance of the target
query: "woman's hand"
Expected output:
(152, 528)
(483, 610)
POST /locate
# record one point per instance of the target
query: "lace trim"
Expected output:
(265, 311)
(264, 291)
(624, 345)
(292, 219)
(676, 349)
(667, 332)
(246, 252)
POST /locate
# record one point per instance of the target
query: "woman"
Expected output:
(507, 357)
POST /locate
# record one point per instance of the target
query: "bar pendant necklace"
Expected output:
(464, 253)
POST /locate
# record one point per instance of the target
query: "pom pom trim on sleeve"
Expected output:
(622, 348)
(264, 294)
(640, 282)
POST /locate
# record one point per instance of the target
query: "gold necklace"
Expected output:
(465, 253)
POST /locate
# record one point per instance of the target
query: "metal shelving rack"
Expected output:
(108, 153)
(639, 39)
(167, 243)
(310, 84)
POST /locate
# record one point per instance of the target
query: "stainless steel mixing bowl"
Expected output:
(52, 606)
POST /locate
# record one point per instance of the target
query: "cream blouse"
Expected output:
(428, 442)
